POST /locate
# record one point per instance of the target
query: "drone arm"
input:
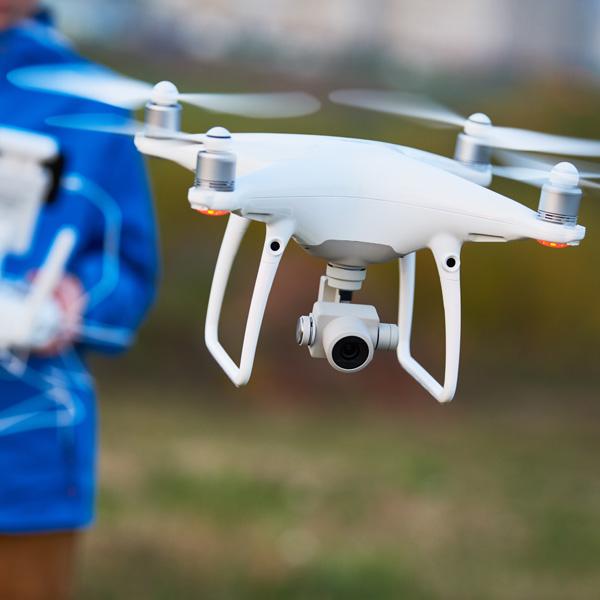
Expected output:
(447, 256)
(277, 237)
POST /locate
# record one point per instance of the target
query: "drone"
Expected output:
(351, 202)
(29, 170)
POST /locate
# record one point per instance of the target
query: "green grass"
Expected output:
(477, 500)
(228, 498)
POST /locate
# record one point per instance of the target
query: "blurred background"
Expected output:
(312, 484)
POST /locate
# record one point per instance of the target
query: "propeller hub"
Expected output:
(564, 174)
(165, 93)
(218, 139)
(219, 133)
(478, 124)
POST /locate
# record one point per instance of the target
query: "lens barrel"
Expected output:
(350, 353)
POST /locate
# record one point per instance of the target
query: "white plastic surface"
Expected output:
(164, 93)
(24, 183)
(27, 145)
(355, 202)
(29, 317)
(280, 232)
(53, 269)
(450, 281)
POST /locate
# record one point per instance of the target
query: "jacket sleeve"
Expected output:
(116, 255)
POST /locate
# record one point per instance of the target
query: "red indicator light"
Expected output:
(212, 213)
(552, 244)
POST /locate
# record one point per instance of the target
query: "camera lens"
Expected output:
(350, 352)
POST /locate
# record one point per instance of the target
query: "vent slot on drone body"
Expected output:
(557, 218)
(484, 237)
(217, 186)
(215, 171)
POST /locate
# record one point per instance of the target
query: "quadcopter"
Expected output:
(29, 170)
(351, 202)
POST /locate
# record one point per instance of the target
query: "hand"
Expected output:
(71, 300)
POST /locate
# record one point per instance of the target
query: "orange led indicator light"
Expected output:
(552, 244)
(212, 213)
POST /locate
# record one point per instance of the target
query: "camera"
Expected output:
(346, 334)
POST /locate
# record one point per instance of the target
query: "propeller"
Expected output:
(120, 125)
(103, 85)
(396, 103)
(477, 125)
(446, 163)
(538, 171)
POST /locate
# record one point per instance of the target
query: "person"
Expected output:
(47, 404)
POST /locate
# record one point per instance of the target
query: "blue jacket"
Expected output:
(47, 405)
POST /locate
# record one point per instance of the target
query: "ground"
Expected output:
(222, 499)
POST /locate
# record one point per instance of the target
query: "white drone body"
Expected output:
(353, 203)
(29, 317)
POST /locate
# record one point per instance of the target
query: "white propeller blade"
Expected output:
(261, 106)
(397, 103)
(110, 123)
(534, 161)
(419, 107)
(97, 83)
(84, 81)
(539, 176)
(532, 141)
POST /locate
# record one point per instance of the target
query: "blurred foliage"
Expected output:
(482, 500)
